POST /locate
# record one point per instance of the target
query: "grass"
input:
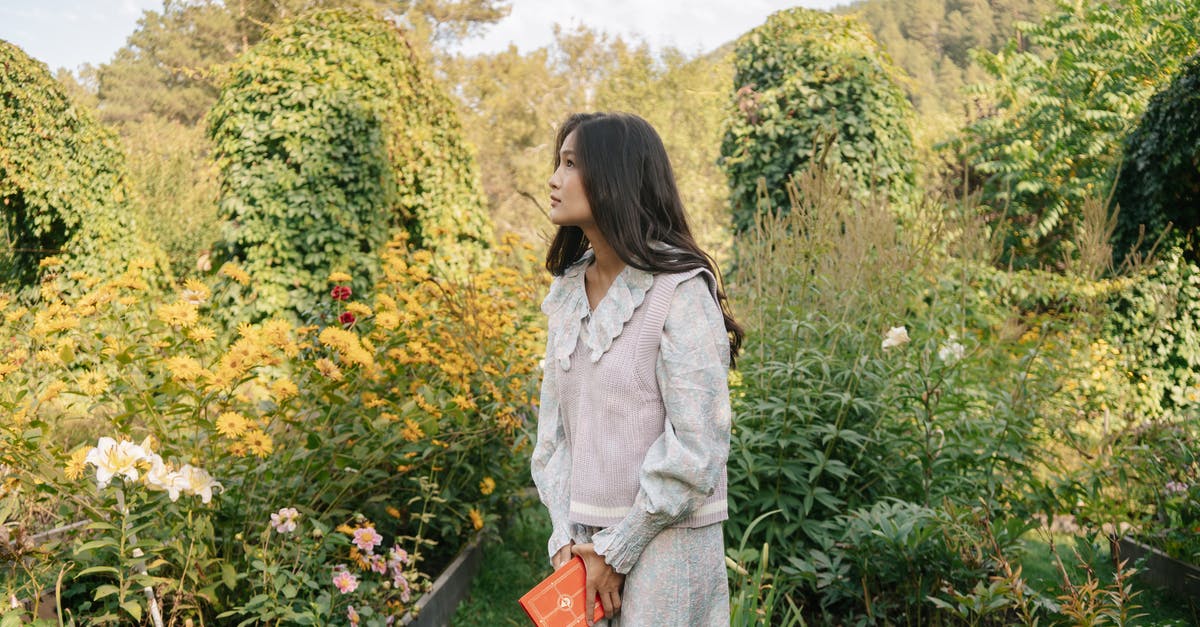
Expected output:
(511, 566)
(1081, 555)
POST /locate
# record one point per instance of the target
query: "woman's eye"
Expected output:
(570, 163)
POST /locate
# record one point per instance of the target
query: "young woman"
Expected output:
(633, 425)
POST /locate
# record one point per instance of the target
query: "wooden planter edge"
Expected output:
(436, 607)
(1157, 569)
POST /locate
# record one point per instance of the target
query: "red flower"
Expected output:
(341, 292)
(347, 317)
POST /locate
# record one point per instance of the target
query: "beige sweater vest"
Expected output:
(613, 412)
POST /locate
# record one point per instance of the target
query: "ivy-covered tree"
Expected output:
(330, 135)
(807, 81)
(62, 179)
(1066, 93)
(1160, 173)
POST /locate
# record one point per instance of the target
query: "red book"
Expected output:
(558, 600)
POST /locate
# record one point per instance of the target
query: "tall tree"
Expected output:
(165, 68)
(1058, 112)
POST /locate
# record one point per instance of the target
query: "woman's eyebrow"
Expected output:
(567, 152)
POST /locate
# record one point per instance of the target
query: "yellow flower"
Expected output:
(76, 464)
(185, 368)
(392, 511)
(340, 277)
(284, 389)
(259, 443)
(201, 334)
(358, 309)
(387, 320)
(476, 518)
(141, 263)
(50, 261)
(6, 369)
(179, 314)
(328, 369)
(52, 391)
(231, 424)
(234, 272)
(487, 486)
(347, 344)
(93, 383)
(412, 430)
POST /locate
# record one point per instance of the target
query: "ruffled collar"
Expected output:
(567, 307)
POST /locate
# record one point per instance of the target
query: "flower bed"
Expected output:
(300, 471)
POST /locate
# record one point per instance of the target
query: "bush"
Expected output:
(286, 453)
(808, 81)
(173, 186)
(329, 134)
(1066, 92)
(62, 179)
(880, 444)
(1160, 172)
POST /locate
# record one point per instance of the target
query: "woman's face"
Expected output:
(569, 204)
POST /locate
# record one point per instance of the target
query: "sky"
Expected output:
(69, 33)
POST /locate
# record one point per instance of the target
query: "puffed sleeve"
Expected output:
(684, 465)
(551, 463)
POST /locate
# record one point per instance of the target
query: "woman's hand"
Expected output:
(562, 556)
(602, 580)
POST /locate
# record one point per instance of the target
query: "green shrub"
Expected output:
(1155, 324)
(1065, 93)
(173, 186)
(1160, 173)
(878, 445)
(403, 414)
(329, 135)
(62, 179)
(804, 80)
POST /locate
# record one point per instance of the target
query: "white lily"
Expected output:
(112, 458)
(198, 482)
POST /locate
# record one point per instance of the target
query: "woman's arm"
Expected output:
(682, 467)
(551, 461)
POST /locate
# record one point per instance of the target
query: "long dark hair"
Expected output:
(630, 186)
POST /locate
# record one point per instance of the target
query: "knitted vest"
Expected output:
(613, 412)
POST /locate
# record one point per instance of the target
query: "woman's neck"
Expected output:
(607, 263)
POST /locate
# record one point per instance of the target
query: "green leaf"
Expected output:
(134, 608)
(105, 590)
(99, 569)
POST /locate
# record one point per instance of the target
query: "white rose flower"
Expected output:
(952, 351)
(113, 459)
(895, 337)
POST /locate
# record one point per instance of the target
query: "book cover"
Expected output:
(557, 601)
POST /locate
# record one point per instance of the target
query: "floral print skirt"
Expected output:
(679, 580)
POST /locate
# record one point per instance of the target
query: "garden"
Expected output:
(271, 337)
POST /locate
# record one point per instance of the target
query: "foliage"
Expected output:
(329, 135)
(583, 70)
(62, 178)
(931, 41)
(884, 452)
(1155, 327)
(807, 82)
(1066, 92)
(168, 67)
(399, 410)
(1159, 182)
(173, 186)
